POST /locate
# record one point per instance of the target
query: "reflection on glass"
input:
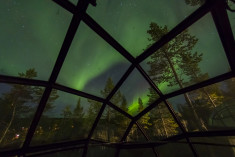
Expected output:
(127, 21)
(208, 108)
(91, 62)
(101, 151)
(66, 117)
(135, 94)
(214, 151)
(148, 152)
(18, 104)
(228, 140)
(70, 153)
(135, 135)
(31, 37)
(189, 58)
(159, 123)
(111, 126)
(175, 150)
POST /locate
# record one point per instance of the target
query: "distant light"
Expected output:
(17, 136)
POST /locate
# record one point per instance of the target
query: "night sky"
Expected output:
(32, 32)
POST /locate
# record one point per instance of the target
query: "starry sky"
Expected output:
(32, 33)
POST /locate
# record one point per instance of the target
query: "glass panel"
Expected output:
(187, 59)
(70, 153)
(90, 63)
(137, 152)
(136, 93)
(74, 1)
(101, 151)
(18, 104)
(208, 108)
(128, 21)
(214, 151)
(159, 123)
(231, 16)
(30, 37)
(135, 135)
(111, 126)
(174, 150)
(227, 140)
(66, 117)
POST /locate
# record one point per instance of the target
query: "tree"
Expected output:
(123, 105)
(16, 103)
(67, 112)
(78, 111)
(112, 122)
(19, 106)
(144, 120)
(168, 64)
(80, 126)
(163, 124)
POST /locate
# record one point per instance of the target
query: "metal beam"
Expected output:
(78, 93)
(22, 81)
(223, 26)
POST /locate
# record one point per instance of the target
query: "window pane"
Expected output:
(66, 117)
(101, 151)
(159, 123)
(208, 108)
(174, 150)
(18, 104)
(111, 126)
(135, 135)
(148, 152)
(135, 94)
(90, 63)
(30, 37)
(189, 58)
(128, 21)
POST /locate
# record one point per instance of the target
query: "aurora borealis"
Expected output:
(32, 33)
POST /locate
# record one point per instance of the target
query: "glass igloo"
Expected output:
(117, 78)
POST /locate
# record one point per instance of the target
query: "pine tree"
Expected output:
(113, 118)
(112, 121)
(163, 124)
(93, 110)
(168, 64)
(144, 120)
(15, 103)
(78, 111)
(67, 112)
